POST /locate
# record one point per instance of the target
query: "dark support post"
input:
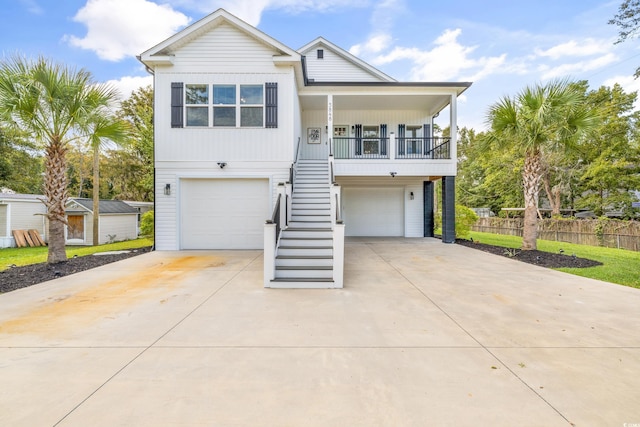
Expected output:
(448, 209)
(427, 191)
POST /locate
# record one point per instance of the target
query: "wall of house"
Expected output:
(413, 208)
(334, 68)
(224, 55)
(119, 226)
(21, 215)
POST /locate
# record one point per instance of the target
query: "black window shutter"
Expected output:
(177, 104)
(401, 141)
(383, 140)
(271, 105)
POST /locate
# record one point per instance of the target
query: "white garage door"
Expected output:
(223, 213)
(373, 211)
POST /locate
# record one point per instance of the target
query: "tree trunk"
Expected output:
(531, 175)
(55, 191)
(96, 195)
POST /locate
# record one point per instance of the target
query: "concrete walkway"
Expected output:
(423, 334)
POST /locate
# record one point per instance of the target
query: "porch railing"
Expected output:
(404, 148)
(423, 148)
(361, 148)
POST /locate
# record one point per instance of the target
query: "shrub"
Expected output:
(465, 218)
(146, 224)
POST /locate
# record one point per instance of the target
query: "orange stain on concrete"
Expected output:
(105, 299)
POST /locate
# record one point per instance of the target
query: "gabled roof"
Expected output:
(324, 43)
(162, 53)
(106, 206)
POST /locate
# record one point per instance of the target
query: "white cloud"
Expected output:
(628, 83)
(446, 61)
(562, 70)
(251, 11)
(127, 84)
(587, 47)
(32, 6)
(120, 28)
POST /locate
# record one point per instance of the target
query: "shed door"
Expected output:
(223, 213)
(373, 211)
(75, 229)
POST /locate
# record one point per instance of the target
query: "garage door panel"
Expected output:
(223, 213)
(373, 211)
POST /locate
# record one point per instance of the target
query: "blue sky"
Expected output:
(499, 45)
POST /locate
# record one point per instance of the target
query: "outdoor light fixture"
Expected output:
(393, 174)
(167, 189)
(222, 164)
(411, 195)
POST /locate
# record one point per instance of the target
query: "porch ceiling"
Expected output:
(430, 103)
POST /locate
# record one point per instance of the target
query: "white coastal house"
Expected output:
(315, 141)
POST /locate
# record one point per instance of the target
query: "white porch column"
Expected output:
(392, 146)
(338, 255)
(453, 125)
(269, 253)
(330, 123)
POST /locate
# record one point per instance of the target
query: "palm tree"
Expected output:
(539, 119)
(55, 105)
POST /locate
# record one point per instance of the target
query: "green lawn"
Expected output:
(619, 265)
(27, 256)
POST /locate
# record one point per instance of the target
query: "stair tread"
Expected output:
(306, 247)
(304, 257)
(303, 267)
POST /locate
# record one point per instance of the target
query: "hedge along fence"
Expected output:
(606, 232)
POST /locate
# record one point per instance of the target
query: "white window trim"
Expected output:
(238, 106)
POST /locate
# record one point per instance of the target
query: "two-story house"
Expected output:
(314, 140)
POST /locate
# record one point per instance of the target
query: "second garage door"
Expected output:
(373, 211)
(223, 213)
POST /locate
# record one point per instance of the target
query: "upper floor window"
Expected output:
(224, 105)
(197, 105)
(229, 105)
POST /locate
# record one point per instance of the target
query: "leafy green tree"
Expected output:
(20, 163)
(610, 157)
(539, 119)
(628, 21)
(54, 105)
(488, 176)
(104, 128)
(131, 168)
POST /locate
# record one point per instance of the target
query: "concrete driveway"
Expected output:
(423, 334)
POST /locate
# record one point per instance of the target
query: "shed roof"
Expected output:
(106, 206)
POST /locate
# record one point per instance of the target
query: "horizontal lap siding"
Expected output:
(124, 227)
(24, 216)
(3, 221)
(167, 209)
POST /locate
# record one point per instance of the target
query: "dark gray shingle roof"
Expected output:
(106, 206)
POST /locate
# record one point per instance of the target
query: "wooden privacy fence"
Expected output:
(595, 232)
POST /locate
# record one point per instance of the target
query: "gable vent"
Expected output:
(320, 53)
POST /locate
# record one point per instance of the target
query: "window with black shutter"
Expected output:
(271, 105)
(177, 100)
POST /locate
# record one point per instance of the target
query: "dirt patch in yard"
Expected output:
(540, 258)
(21, 277)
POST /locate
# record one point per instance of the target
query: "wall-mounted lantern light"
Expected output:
(167, 189)
(411, 195)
